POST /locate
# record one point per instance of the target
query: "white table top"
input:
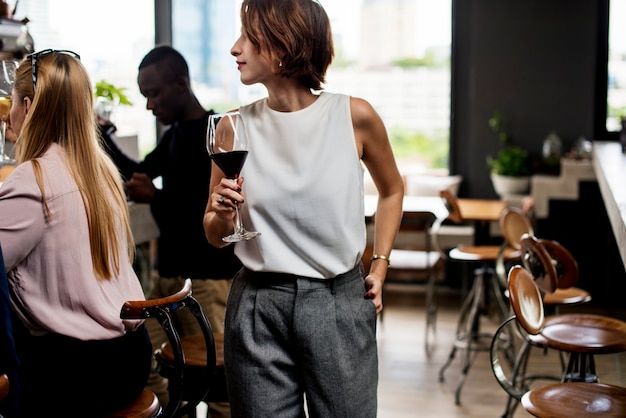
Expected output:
(609, 164)
(432, 204)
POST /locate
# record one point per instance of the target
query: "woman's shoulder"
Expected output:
(254, 106)
(53, 166)
(21, 181)
(361, 110)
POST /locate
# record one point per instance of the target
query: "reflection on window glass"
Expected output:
(616, 94)
(111, 38)
(393, 53)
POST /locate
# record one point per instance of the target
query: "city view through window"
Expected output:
(616, 93)
(111, 38)
(393, 53)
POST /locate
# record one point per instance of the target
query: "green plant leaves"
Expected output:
(511, 160)
(111, 92)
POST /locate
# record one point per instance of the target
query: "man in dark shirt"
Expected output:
(182, 161)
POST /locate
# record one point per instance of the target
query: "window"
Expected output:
(111, 39)
(616, 90)
(393, 53)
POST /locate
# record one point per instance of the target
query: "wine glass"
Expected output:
(228, 148)
(7, 78)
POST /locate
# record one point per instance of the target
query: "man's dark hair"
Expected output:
(171, 63)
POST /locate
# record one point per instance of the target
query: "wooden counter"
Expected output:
(5, 170)
(609, 164)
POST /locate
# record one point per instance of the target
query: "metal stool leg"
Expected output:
(431, 310)
(581, 368)
(461, 325)
(468, 334)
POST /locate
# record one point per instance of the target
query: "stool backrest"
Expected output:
(538, 262)
(514, 223)
(451, 203)
(564, 263)
(162, 310)
(528, 314)
(526, 300)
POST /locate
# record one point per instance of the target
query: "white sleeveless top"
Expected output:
(303, 185)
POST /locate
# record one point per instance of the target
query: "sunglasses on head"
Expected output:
(35, 56)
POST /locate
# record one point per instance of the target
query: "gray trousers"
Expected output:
(290, 338)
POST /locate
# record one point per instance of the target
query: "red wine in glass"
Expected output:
(230, 163)
(228, 147)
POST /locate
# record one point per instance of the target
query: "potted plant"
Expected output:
(510, 167)
(107, 97)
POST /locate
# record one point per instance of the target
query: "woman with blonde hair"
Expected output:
(68, 249)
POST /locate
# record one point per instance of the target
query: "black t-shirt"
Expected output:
(182, 161)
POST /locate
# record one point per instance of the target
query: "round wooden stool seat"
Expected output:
(145, 406)
(567, 296)
(575, 399)
(481, 253)
(583, 333)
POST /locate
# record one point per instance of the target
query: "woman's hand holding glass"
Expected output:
(228, 148)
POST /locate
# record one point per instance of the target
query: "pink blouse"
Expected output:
(53, 285)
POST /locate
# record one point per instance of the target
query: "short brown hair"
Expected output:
(296, 32)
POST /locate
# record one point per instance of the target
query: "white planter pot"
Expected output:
(507, 185)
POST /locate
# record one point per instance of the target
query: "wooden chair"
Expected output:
(191, 373)
(603, 335)
(485, 290)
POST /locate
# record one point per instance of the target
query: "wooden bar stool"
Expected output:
(580, 336)
(514, 223)
(191, 374)
(604, 335)
(484, 292)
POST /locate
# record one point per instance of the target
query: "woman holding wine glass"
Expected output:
(301, 317)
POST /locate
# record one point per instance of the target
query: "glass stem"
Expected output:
(3, 132)
(238, 224)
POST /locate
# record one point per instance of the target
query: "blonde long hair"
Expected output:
(62, 112)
